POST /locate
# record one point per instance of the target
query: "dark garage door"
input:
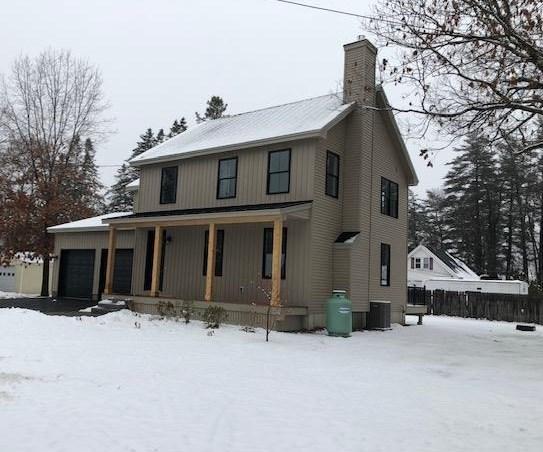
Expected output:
(76, 273)
(122, 273)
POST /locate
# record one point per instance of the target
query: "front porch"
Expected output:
(176, 259)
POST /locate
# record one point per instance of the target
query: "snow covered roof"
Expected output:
(87, 224)
(134, 185)
(302, 119)
(457, 268)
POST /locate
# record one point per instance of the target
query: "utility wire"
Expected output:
(330, 10)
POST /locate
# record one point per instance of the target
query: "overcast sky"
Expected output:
(163, 59)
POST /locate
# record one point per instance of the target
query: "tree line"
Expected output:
(489, 211)
(52, 115)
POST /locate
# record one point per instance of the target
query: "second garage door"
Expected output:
(76, 273)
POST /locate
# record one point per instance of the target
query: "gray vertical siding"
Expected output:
(326, 219)
(87, 240)
(242, 264)
(197, 179)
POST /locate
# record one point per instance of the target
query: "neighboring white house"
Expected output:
(438, 269)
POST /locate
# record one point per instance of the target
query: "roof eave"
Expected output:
(232, 147)
(57, 229)
(213, 215)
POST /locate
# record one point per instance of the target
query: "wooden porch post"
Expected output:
(108, 289)
(276, 261)
(211, 246)
(157, 258)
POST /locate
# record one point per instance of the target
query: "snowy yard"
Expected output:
(101, 384)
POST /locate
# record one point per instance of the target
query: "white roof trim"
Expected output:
(86, 224)
(133, 186)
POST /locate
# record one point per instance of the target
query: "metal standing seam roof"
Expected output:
(305, 118)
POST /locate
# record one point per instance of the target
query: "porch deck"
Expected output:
(285, 318)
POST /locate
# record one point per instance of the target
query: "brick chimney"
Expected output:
(359, 72)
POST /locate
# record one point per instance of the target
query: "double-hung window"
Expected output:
(227, 178)
(219, 249)
(428, 263)
(267, 255)
(389, 198)
(278, 172)
(385, 264)
(332, 174)
(168, 185)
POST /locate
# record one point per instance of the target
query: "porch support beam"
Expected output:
(276, 261)
(157, 258)
(211, 247)
(108, 289)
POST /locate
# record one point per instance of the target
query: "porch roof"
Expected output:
(226, 214)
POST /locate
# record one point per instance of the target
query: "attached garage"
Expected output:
(76, 274)
(7, 279)
(81, 251)
(122, 272)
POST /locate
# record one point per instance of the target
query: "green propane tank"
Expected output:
(339, 315)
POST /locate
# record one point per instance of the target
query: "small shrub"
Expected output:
(166, 309)
(187, 310)
(213, 316)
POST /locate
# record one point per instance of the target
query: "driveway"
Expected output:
(66, 306)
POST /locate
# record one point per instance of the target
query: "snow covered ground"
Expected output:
(105, 384)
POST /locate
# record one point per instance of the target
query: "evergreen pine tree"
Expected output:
(215, 109)
(120, 199)
(160, 137)
(474, 205)
(92, 187)
(178, 127)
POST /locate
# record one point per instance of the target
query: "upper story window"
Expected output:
(389, 198)
(332, 174)
(278, 172)
(168, 185)
(227, 178)
(426, 263)
(385, 264)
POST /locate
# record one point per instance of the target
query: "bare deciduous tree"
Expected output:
(47, 106)
(476, 66)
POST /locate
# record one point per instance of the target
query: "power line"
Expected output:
(330, 10)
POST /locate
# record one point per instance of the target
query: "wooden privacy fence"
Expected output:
(490, 306)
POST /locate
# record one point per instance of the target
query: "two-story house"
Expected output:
(275, 206)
